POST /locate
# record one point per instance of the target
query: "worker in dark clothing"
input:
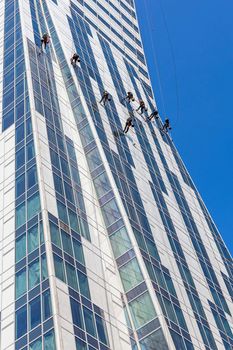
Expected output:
(45, 40)
(154, 115)
(166, 125)
(105, 98)
(141, 106)
(129, 97)
(128, 124)
(74, 59)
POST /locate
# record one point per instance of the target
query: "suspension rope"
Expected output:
(156, 60)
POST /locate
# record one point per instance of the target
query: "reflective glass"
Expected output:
(131, 275)
(21, 321)
(120, 242)
(142, 310)
(35, 312)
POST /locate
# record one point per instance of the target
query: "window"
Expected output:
(142, 310)
(62, 212)
(66, 242)
(83, 285)
(59, 267)
(155, 341)
(44, 270)
(86, 135)
(76, 313)
(120, 242)
(94, 159)
(20, 247)
(33, 206)
(49, 341)
(21, 283)
(36, 345)
(20, 158)
(73, 220)
(89, 322)
(46, 305)
(71, 276)
(20, 215)
(33, 238)
(35, 312)
(19, 110)
(110, 212)
(19, 133)
(80, 345)
(102, 185)
(131, 275)
(31, 177)
(34, 273)
(101, 329)
(55, 234)
(30, 151)
(78, 251)
(21, 321)
(20, 185)
(58, 184)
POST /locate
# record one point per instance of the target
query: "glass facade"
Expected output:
(106, 242)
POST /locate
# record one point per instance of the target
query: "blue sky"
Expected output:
(192, 42)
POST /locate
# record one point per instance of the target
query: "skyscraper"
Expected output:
(105, 241)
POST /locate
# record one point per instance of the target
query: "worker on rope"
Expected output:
(45, 40)
(129, 97)
(74, 59)
(166, 125)
(105, 97)
(142, 106)
(128, 124)
(154, 114)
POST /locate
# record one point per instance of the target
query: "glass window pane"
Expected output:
(110, 212)
(120, 242)
(33, 206)
(131, 275)
(20, 185)
(73, 220)
(31, 177)
(142, 310)
(44, 269)
(21, 321)
(83, 285)
(20, 215)
(33, 238)
(66, 242)
(35, 312)
(55, 234)
(102, 185)
(20, 247)
(101, 329)
(30, 150)
(49, 341)
(155, 341)
(59, 267)
(46, 305)
(76, 313)
(62, 213)
(21, 283)
(80, 345)
(71, 276)
(94, 159)
(89, 321)
(20, 158)
(36, 345)
(34, 273)
(78, 251)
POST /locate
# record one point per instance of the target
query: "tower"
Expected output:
(105, 241)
